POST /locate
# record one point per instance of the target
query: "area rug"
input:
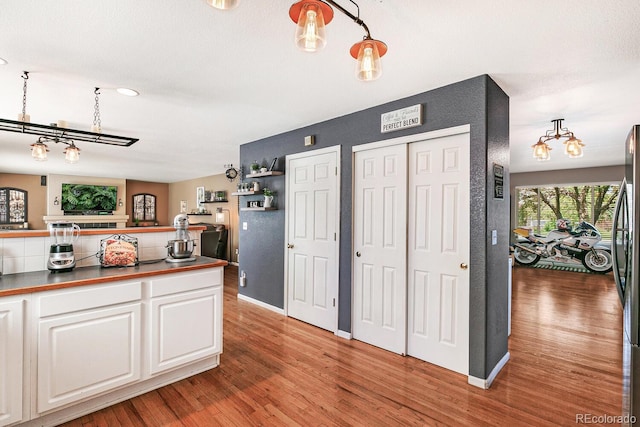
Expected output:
(561, 266)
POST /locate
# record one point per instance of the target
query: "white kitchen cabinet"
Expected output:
(185, 319)
(88, 342)
(11, 361)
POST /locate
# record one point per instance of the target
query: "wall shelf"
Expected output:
(260, 209)
(260, 174)
(246, 193)
(217, 201)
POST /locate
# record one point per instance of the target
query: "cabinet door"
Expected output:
(87, 353)
(11, 357)
(185, 327)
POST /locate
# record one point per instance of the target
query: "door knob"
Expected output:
(358, 254)
(464, 266)
(289, 245)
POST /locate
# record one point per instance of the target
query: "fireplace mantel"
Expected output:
(119, 220)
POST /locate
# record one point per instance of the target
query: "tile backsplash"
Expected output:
(24, 254)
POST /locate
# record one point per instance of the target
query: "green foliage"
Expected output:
(88, 197)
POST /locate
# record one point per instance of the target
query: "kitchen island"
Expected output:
(78, 341)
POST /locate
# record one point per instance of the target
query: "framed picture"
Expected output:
(273, 164)
(200, 197)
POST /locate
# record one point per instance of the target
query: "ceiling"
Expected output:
(211, 80)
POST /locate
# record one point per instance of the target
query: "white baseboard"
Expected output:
(344, 334)
(261, 304)
(485, 384)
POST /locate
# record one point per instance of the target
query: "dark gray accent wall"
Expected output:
(478, 102)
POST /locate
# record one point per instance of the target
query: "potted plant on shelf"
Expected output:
(268, 197)
(255, 167)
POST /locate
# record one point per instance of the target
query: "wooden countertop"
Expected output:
(38, 281)
(93, 231)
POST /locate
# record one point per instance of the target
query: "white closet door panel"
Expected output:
(380, 210)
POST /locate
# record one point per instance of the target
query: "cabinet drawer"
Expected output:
(88, 297)
(181, 282)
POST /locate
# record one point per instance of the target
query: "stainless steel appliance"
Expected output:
(63, 235)
(181, 248)
(626, 270)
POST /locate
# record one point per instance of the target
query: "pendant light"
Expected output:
(311, 17)
(72, 153)
(223, 4)
(572, 146)
(368, 53)
(24, 117)
(39, 150)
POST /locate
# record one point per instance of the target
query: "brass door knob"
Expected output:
(464, 266)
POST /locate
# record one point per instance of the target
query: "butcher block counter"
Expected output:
(74, 342)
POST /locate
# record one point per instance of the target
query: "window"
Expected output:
(144, 207)
(13, 206)
(540, 207)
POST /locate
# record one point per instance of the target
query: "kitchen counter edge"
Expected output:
(5, 234)
(39, 281)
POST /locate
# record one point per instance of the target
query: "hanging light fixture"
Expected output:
(572, 146)
(24, 117)
(39, 150)
(223, 4)
(311, 17)
(71, 153)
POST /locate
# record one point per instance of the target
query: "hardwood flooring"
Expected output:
(565, 350)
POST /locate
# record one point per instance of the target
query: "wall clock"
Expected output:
(231, 173)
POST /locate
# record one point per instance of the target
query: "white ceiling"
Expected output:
(212, 80)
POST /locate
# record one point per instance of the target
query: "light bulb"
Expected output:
(573, 148)
(310, 35)
(368, 53)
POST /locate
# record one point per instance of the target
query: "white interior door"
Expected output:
(312, 208)
(379, 262)
(438, 252)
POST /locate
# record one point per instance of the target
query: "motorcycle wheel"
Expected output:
(525, 257)
(598, 261)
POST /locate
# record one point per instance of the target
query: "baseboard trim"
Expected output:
(261, 304)
(485, 384)
(344, 334)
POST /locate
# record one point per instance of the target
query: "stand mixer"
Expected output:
(63, 235)
(180, 249)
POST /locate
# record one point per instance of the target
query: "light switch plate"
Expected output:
(244, 226)
(494, 237)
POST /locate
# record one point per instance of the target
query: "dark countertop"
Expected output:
(38, 281)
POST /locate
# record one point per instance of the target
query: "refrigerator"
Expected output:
(626, 271)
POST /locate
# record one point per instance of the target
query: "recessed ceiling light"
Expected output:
(127, 92)
(3, 61)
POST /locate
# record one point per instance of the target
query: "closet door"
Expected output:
(438, 252)
(380, 239)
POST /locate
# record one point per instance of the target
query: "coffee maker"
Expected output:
(61, 257)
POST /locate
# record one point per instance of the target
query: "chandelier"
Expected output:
(572, 146)
(59, 133)
(311, 16)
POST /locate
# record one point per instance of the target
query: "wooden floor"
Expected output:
(565, 360)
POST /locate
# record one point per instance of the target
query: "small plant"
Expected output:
(255, 166)
(267, 192)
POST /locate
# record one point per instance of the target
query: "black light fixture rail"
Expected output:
(55, 132)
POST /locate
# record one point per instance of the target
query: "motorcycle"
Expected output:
(581, 245)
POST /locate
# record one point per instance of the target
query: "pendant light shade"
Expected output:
(573, 147)
(39, 150)
(223, 4)
(72, 153)
(541, 151)
(368, 53)
(311, 17)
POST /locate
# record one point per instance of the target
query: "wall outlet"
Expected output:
(494, 237)
(245, 226)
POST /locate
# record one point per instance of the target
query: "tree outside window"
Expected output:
(144, 207)
(540, 207)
